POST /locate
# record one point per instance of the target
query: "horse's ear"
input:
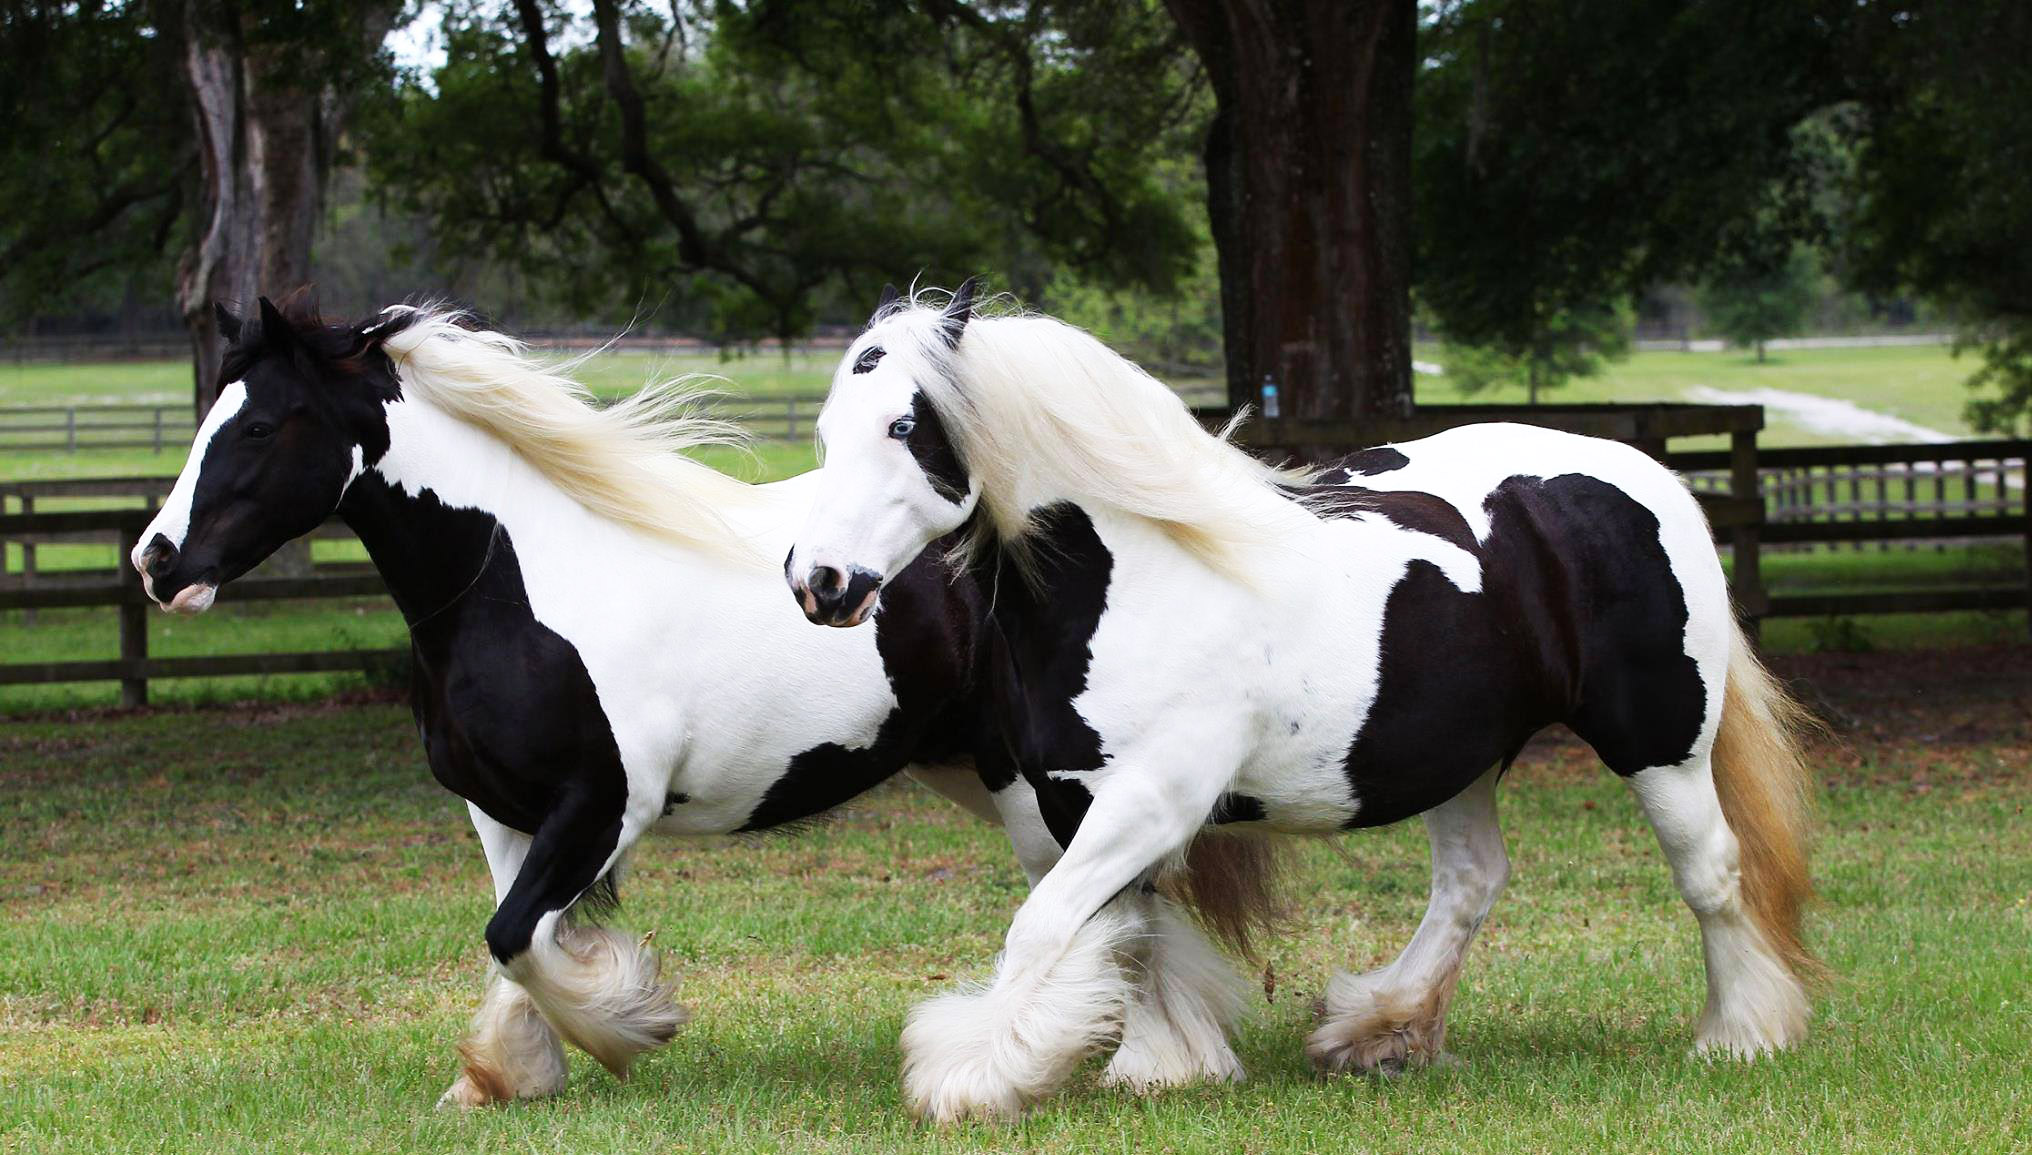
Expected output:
(890, 295)
(958, 311)
(229, 325)
(275, 328)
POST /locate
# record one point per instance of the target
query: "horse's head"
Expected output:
(893, 480)
(299, 415)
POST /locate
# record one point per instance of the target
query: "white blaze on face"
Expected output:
(172, 521)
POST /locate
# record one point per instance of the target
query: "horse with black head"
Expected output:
(600, 646)
(1189, 646)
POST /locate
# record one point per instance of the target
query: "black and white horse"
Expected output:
(1189, 645)
(600, 644)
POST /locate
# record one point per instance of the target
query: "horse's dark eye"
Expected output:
(260, 430)
(901, 427)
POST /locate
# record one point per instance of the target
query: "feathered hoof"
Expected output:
(605, 993)
(1144, 1072)
(955, 1069)
(1367, 1029)
(1744, 1029)
(464, 1095)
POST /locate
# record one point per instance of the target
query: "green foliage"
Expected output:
(2006, 375)
(796, 154)
(1942, 206)
(1750, 303)
(1571, 153)
(1168, 332)
(93, 158)
(1563, 344)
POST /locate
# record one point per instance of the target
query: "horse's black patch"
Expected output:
(1406, 509)
(933, 449)
(925, 634)
(509, 715)
(1038, 659)
(673, 800)
(1580, 620)
(1370, 462)
(1231, 807)
(869, 358)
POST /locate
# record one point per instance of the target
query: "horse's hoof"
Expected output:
(464, 1095)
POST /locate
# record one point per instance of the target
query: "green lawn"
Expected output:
(234, 931)
(611, 374)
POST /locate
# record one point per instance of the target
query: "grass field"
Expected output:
(233, 931)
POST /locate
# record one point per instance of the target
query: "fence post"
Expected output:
(133, 621)
(2004, 493)
(27, 557)
(1748, 577)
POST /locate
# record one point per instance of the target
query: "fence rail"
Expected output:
(1910, 494)
(1958, 491)
(73, 428)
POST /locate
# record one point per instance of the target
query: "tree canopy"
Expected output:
(751, 158)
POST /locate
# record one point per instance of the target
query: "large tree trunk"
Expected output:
(222, 266)
(268, 113)
(1309, 191)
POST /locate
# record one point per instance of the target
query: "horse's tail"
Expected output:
(1767, 796)
(1230, 884)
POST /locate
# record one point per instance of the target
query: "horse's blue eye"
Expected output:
(901, 427)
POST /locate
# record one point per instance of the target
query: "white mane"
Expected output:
(1039, 410)
(625, 462)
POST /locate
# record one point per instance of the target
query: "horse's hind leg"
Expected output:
(1184, 1001)
(1755, 1003)
(510, 1052)
(1395, 1017)
(600, 989)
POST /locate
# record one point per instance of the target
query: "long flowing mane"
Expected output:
(1037, 406)
(625, 462)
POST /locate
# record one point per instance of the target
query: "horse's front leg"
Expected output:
(509, 1052)
(600, 989)
(1061, 987)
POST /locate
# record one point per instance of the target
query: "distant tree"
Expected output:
(1943, 203)
(97, 154)
(1571, 152)
(763, 157)
(1750, 303)
(1564, 344)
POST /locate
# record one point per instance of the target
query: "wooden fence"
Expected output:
(71, 428)
(1835, 495)
(1964, 490)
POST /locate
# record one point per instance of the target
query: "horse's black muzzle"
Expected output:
(831, 598)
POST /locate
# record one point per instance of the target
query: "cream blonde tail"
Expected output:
(1767, 795)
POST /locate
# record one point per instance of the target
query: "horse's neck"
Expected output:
(429, 509)
(1064, 583)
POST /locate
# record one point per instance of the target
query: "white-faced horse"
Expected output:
(1192, 646)
(600, 644)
